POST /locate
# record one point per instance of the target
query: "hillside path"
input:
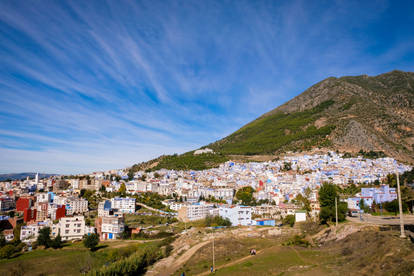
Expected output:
(171, 265)
(232, 263)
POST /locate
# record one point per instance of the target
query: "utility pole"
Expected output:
(336, 212)
(400, 207)
(214, 266)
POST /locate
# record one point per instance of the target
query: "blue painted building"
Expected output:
(264, 222)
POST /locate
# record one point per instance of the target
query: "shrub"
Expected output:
(297, 240)
(289, 220)
(91, 241)
(216, 221)
(7, 251)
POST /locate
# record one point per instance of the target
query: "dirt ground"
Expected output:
(350, 249)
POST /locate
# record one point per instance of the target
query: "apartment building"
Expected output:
(42, 211)
(76, 206)
(104, 208)
(29, 233)
(109, 228)
(6, 203)
(238, 215)
(43, 197)
(72, 228)
(123, 204)
(193, 212)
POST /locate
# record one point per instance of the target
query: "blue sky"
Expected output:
(94, 85)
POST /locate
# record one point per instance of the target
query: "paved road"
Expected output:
(382, 220)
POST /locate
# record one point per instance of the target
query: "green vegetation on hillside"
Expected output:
(189, 161)
(271, 133)
(137, 262)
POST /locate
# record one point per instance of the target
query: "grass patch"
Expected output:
(73, 259)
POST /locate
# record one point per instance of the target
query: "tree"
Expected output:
(91, 241)
(327, 195)
(122, 189)
(363, 206)
(392, 206)
(304, 202)
(3, 241)
(56, 242)
(130, 175)
(245, 194)
(7, 251)
(289, 220)
(44, 237)
(287, 166)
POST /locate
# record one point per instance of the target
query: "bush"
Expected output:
(56, 242)
(91, 241)
(310, 227)
(297, 240)
(289, 220)
(216, 221)
(7, 251)
(133, 265)
(159, 235)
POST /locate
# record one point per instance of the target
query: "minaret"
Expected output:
(37, 178)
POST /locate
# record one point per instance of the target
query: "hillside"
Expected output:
(19, 176)
(347, 114)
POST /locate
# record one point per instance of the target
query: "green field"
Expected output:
(73, 259)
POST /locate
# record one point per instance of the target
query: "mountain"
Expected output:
(18, 176)
(347, 114)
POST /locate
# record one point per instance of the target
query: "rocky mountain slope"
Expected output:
(345, 114)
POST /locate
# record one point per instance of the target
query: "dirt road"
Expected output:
(170, 265)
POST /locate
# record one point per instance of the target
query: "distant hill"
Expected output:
(347, 114)
(18, 176)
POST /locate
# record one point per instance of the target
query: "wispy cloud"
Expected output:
(88, 85)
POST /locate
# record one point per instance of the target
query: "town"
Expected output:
(245, 194)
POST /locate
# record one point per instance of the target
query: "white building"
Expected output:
(190, 212)
(29, 233)
(174, 205)
(300, 215)
(7, 203)
(123, 204)
(72, 228)
(201, 151)
(76, 206)
(42, 197)
(110, 228)
(238, 215)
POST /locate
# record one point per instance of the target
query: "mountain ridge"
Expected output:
(348, 114)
